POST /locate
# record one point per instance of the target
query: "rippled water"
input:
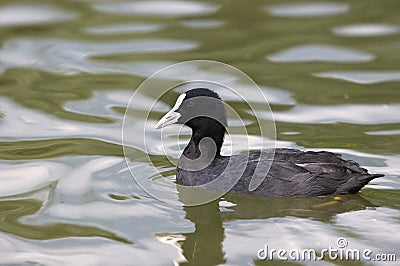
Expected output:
(68, 69)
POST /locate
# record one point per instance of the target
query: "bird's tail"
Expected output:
(356, 183)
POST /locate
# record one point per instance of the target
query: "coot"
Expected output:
(289, 172)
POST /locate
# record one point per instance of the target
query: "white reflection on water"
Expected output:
(320, 52)
(203, 23)
(128, 28)
(23, 177)
(245, 237)
(82, 251)
(391, 170)
(360, 228)
(82, 183)
(101, 102)
(384, 132)
(82, 196)
(365, 114)
(313, 9)
(380, 223)
(159, 8)
(365, 30)
(72, 57)
(26, 124)
(362, 77)
(17, 15)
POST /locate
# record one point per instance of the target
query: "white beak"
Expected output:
(171, 117)
(168, 119)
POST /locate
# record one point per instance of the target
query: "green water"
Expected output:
(68, 69)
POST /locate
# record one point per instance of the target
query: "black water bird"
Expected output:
(289, 172)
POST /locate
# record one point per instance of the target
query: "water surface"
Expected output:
(68, 69)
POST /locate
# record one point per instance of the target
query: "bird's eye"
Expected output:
(190, 104)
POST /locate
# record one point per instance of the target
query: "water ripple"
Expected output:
(320, 52)
(27, 124)
(365, 30)
(24, 177)
(370, 221)
(203, 23)
(317, 9)
(159, 8)
(19, 15)
(128, 28)
(384, 132)
(81, 251)
(71, 57)
(362, 77)
(348, 113)
(103, 101)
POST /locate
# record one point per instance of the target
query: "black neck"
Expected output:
(217, 134)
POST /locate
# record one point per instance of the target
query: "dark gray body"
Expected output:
(292, 173)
